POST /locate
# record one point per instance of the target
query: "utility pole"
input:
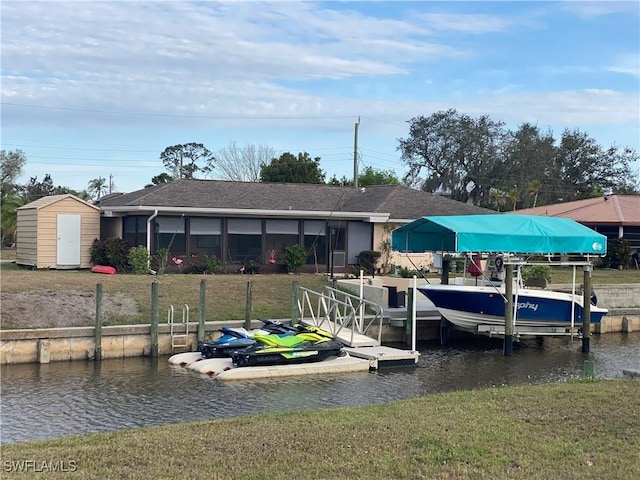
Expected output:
(355, 154)
(111, 183)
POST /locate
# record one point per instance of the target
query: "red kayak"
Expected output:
(104, 269)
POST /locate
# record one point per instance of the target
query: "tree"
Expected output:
(459, 153)
(97, 187)
(533, 189)
(291, 169)
(370, 176)
(9, 222)
(243, 164)
(184, 161)
(477, 160)
(160, 179)
(11, 165)
(586, 169)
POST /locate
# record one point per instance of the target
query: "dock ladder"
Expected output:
(179, 340)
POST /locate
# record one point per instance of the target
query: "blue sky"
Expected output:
(99, 89)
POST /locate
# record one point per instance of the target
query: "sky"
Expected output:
(95, 89)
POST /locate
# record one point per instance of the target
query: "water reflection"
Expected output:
(69, 398)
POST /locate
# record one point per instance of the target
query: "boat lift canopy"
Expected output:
(498, 233)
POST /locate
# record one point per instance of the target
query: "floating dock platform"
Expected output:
(360, 359)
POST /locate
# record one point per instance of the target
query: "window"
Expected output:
(170, 234)
(315, 242)
(245, 240)
(279, 235)
(205, 235)
(135, 230)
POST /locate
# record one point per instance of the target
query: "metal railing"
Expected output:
(340, 312)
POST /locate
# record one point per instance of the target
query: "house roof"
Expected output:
(611, 210)
(51, 199)
(384, 202)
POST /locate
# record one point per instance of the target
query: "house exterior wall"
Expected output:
(411, 261)
(26, 240)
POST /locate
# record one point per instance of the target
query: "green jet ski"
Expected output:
(310, 344)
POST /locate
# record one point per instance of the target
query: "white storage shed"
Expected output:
(57, 232)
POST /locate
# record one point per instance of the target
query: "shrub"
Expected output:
(252, 267)
(619, 253)
(213, 264)
(161, 258)
(139, 260)
(113, 252)
(294, 257)
(367, 261)
(536, 271)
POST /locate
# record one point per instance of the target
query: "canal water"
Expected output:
(70, 398)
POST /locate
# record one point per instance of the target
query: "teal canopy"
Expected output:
(499, 233)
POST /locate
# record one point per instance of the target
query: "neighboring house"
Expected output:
(57, 232)
(615, 216)
(240, 222)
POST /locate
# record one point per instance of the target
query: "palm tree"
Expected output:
(533, 189)
(497, 197)
(513, 196)
(10, 216)
(97, 187)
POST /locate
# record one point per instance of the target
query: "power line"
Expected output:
(173, 115)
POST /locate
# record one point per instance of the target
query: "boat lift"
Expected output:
(498, 233)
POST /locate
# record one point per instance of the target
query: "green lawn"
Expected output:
(577, 430)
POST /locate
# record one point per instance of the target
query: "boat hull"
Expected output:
(469, 306)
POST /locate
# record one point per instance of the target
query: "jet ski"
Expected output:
(240, 338)
(274, 349)
(230, 340)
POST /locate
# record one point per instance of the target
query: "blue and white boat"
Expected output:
(516, 236)
(468, 306)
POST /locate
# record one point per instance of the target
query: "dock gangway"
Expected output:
(351, 319)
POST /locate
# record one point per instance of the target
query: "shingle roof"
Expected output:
(51, 199)
(612, 210)
(398, 201)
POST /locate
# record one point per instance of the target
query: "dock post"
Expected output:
(586, 309)
(508, 311)
(408, 335)
(203, 289)
(294, 302)
(153, 351)
(446, 265)
(97, 334)
(589, 370)
(444, 332)
(248, 306)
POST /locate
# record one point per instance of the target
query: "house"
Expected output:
(615, 216)
(240, 222)
(57, 232)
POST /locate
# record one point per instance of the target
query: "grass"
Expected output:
(574, 430)
(225, 294)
